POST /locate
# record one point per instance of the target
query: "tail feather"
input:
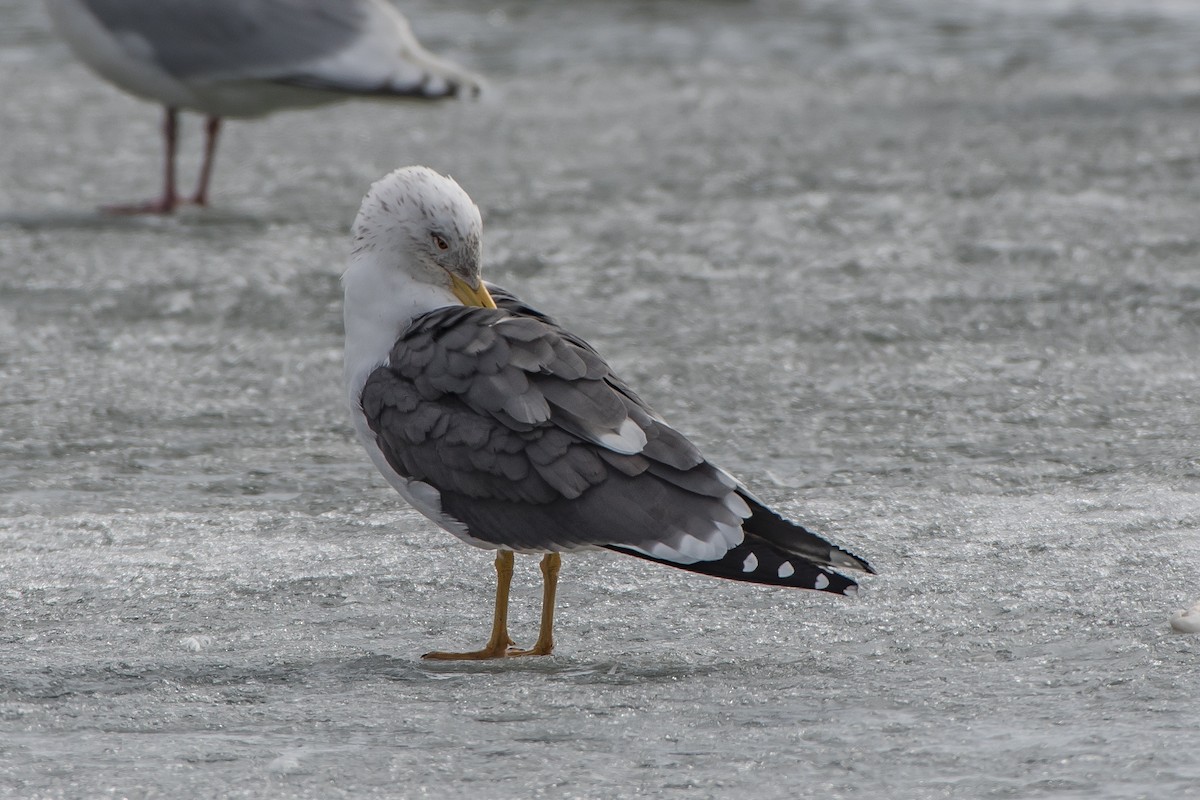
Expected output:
(757, 561)
(797, 540)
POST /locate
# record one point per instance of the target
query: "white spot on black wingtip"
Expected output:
(786, 570)
(821, 582)
(851, 590)
(838, 558)
(750, 564)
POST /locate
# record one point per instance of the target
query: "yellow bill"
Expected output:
(471, 297)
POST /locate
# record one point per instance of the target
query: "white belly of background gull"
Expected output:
(247, 58)
(514, 434)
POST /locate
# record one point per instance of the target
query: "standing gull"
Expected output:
(515, 435)
(247, 58)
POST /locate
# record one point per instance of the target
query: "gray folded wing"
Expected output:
(529, 443)
(232, 39)
(524, 431)
(362, 47)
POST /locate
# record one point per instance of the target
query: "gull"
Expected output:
(248, 58)
(514, 434)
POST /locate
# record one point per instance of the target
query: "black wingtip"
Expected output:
(793, 538)
(759, 562)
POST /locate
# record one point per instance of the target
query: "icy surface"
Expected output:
(925, 274)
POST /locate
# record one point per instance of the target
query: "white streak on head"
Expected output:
(397, 269)
(401, 213)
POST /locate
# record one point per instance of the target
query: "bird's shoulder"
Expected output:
(468, 351)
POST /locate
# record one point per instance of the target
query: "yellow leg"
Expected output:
(499, 643)
(551, 563)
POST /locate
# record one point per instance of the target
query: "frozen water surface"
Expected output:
(925, 274)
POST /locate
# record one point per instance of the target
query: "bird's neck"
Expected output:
(380, 303)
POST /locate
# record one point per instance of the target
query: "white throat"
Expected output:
(381, 301)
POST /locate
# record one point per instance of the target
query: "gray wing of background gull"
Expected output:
(289, 42)
(518, 425)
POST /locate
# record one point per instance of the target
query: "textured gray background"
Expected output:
(925, 274)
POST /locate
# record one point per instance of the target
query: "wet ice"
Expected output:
(922, 275)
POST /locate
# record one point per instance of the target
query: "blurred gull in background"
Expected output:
(247, 58)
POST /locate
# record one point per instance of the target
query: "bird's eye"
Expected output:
(441, 243)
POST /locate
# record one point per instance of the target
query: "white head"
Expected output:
(423, 224)
(416, 248)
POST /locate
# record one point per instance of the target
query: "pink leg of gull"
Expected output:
(165, 204)
(212, 129)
